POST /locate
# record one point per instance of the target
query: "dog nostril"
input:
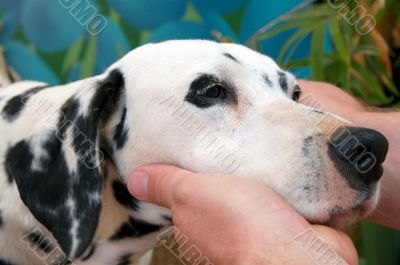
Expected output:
(358, 154)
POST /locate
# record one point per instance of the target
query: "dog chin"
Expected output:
(346, 218)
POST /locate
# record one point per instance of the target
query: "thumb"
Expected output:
(339, 242)
(159, 184)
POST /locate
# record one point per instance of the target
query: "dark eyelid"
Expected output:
(297, 92)
(206, 80)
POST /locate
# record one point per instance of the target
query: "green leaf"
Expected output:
(120, 50)
(379, 70)
(380, 15)
(72, 56)
(336, 72)
(369, 81)
(358, 88)
(293, 48)
(317, 52)
(379, 245)
(395, 7)
(312, 15)
(320, 11)
(191, 14)
(362, 261)
(366, 49)
(235, 18)
(281, 28)
(339, 41)
(90, 58)
(254, 45)
(297, 37)
(114, 16)
(144, 36)
(294, 13)
(296, 63)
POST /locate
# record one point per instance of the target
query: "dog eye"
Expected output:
(208, 90)
(214, 92)
(296, 93)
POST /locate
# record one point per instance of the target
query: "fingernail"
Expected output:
(138, 184)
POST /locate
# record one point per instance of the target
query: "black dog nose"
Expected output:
(358, 154)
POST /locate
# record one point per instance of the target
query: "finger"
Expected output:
(158, 184)
(327, 96)
(338, 242)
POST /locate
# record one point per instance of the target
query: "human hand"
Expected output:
(236, 220)
(329, 98)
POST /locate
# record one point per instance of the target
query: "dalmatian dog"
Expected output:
(67, 151)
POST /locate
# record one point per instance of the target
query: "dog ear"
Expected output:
(57, 170)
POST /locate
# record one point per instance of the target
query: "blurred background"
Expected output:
(354, 44)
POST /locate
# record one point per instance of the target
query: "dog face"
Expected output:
(212, 107)
(200, 105)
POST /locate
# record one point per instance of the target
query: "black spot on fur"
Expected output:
(121, 132)
(125, 259)
(56, 195)
(8, 170)
(68, 114)
(16, 104)
(41, 242)
(123, 196)
(267, 80)
(335, 211)
(307, 144)
(230, 56)
(90, 253)
(1, 220)
(5, 262)
(283, 81)
(134, 228)
(47, 201)
(108, 96)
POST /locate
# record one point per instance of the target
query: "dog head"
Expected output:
(212, 107)
(206, 107)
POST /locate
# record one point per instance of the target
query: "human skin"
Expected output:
(248, 223)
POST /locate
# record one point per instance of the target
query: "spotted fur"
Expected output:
(67, 151)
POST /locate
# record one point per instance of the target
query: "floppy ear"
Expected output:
(57, 171)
